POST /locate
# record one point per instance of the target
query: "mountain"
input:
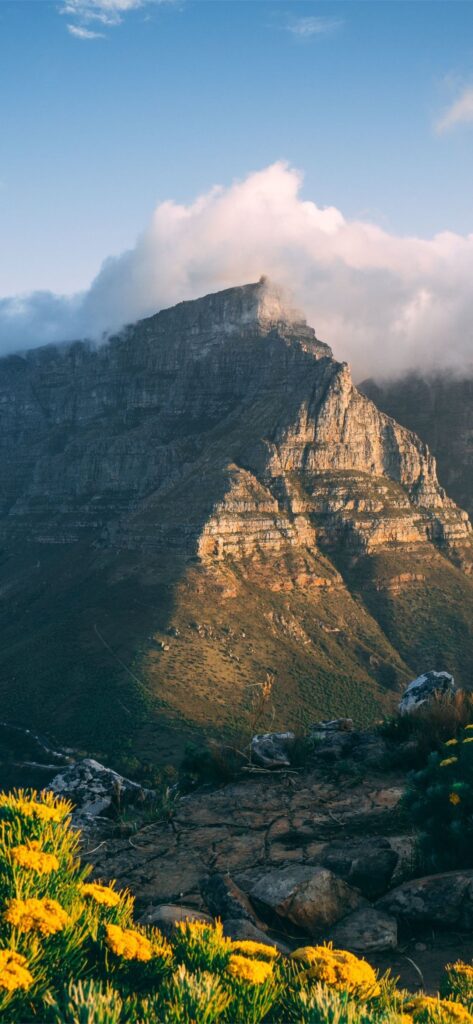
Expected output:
(439, 408)
(201, 500)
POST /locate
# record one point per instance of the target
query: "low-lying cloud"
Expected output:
(385, 303)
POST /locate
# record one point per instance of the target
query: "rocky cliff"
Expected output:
(201, 499)
(440, 409)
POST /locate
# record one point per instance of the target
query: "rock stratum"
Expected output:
(201, 500)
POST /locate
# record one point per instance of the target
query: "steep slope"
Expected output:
(439, 409)
(204, 499)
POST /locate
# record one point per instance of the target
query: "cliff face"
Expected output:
(204, 497)
(440, 409)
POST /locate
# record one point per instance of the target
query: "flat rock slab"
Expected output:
(245, 830)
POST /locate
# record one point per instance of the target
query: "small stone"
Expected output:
(167, 915)
(241, 931)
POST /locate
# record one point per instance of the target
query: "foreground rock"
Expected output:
(443, 900)
(312, 898)
(365, 931)
(429, 686)
(273, 749)
(166, 916)
(96, 790)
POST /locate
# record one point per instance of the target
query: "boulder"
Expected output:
(240, 930)
(338, 739)
(424, 688)
(313, 898)
(367, 930)
(225, 899)
(445, 900)
(167, 915)
(96, 790)
(272, 749)
(365, 863)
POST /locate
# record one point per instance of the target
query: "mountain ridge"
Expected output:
(205, 498)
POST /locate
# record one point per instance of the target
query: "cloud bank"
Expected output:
(385, 303)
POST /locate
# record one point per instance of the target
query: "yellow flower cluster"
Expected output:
(454, 799)
(447, 761)
(451, 743)
(468, 727)
(465, 970)
(32, 857)
(469, 739)
(103, 894)
(257, 949)
(451, 1013)
(128, 943)
(49, 808)
(32, 915)
(337, 967)
(253, 971)
(13, 971)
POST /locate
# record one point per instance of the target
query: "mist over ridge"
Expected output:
(386, 304)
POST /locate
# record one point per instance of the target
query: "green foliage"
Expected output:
(70, 953)
(439, 803)
(414, 736)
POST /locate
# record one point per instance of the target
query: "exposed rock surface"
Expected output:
(312, 898)
(440, 409)
(442, 900)
(365, 931)
(425, 688)
(95, 790)
(272, 749)
(204, 497)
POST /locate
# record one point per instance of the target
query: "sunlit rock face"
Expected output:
(215, 464)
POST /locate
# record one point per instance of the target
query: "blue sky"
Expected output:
(180, 96)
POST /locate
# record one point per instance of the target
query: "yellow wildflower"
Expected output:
(254, 971)
(469, 726)
(32, 915)
(128, 943)
(14, 973)
(101, 894)
(451, 743)
(32, 857)
(454, 799)
(447, 761)
(424, 1008)
(337, 967)
(48, 808)
(461, 968)
(469, 739)
(249, 948)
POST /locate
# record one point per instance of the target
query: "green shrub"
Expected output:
(415, 735)
(439, 803)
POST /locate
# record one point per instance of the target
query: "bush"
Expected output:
(71, 953)
(439, 803)
(415, 735)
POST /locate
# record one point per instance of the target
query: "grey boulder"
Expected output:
(425, 688)
(367, 930)
(272, 749)
(95, 790)
(444, 900)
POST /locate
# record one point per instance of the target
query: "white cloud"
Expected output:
(460, 112)
(386, 303)
(83, 33)
(314, 26)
